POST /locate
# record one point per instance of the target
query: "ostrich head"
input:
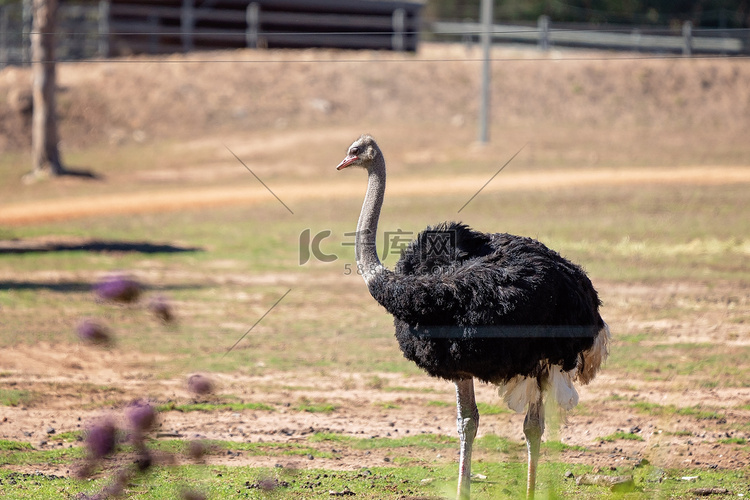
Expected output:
(361, 153)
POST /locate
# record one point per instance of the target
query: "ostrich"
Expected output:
(504, 309)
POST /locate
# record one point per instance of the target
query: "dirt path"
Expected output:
(193, 198)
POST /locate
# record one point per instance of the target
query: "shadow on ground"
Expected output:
(80, 286)
(69, 245)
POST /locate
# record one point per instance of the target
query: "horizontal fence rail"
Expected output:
(687, 42)
(185, 25)
(121, 27)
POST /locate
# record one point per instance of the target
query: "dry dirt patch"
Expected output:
(74, 384)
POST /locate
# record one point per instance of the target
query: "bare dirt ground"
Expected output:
(77, 384)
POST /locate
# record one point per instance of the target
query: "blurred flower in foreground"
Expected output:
(161, 308)
(192, 495)
(196, 449)
(101, 438)
(94, 333)
(141, 415)
(200, 384)
(119, 288)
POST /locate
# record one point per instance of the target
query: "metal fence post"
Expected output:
(103, 48)
(687, 38)
(484, 108)
(187, 25)
(153, 35)
(543, 26)
(252, 15)
(398, 22)
(26, 16)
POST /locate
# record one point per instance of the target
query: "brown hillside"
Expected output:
(146, 98)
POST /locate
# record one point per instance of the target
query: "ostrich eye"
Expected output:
(354, 151)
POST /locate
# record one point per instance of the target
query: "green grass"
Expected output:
(210, 407)
(628, 436)
(68, 436)
(6, 445)
(399, 388)
(697, 412)
(489, 409)
(558, 447)
(432, 441)
(732, 440)
(315, 407)
(694, 365)
(503, 480)
(16, 397)
(29, 456)
(440, 404)
(494, 443)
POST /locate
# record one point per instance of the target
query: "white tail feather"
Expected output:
(594, 357)
(519, 391)
(562, 387)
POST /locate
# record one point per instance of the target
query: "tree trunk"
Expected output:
(45, 155)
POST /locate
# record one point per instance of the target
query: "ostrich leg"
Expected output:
(468, 422)
(533, 428)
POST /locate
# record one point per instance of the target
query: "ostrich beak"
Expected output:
(346, 162)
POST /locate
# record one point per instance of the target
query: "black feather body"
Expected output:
(490, 306)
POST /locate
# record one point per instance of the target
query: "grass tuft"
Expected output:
(313, 407)
(620, 435)
(209, 407)
(559, 446)
(732, 440)
(7, 445)
(658, 410)
(488, 409)
(431, 441)
(16, 397)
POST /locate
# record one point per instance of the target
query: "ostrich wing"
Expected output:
(485, 280)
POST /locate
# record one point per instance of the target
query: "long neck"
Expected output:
(365, 247)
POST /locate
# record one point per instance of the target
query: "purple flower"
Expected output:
(161, 309)
(200, 384)
(100, 438)
(119, 288)
(141, 415)
(93, 332)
